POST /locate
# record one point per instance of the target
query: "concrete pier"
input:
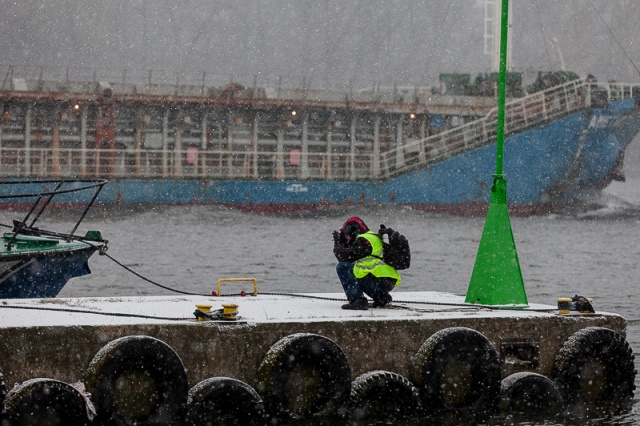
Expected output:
(57, 338)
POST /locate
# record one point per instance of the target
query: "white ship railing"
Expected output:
(520, 114)
(65, 162)
(289, 161)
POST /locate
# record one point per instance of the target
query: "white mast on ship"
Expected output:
(492, 11)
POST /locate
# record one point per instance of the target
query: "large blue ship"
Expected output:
(277, 149)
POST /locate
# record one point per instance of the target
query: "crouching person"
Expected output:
(360, 268)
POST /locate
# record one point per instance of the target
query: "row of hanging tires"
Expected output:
(140, 380)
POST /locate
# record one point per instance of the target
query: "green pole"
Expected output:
(496, 277)
(502, 87)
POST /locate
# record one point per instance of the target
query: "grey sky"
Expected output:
(324, 40)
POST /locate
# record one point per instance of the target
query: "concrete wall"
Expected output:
(235, 350)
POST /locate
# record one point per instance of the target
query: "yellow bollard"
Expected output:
(203, 307)
(564, 305)
(229, 311)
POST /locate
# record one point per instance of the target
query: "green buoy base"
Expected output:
(496, 277)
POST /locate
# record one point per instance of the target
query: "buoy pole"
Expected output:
(496, 277)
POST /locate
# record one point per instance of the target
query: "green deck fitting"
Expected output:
(496, 277)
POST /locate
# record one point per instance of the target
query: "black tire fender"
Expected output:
(529, 393)
(47, 402)
(224, 401)
(138, 379)
(457, 368)
(595, 365)
(305, 375)
(383, 394)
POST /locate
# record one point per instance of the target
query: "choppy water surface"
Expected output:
(593, 253)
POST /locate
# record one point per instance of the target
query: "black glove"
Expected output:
(385, 231)
(336, 236)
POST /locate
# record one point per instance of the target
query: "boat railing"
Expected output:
(37, 195)
(186, 163)
(130, 140)
(521, 113)
(155, 82)
(354, 161)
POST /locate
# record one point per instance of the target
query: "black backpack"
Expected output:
(396, 252)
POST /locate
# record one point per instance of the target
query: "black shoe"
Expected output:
(359, 304)
(382, 301)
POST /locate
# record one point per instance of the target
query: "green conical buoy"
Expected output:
(496, 277)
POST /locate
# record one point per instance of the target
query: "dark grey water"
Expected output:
(594, 253)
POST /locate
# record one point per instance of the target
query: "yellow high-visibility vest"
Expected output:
(373, 264)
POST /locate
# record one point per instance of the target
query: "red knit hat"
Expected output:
(355, 221)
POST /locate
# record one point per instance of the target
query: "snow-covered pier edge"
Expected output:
(69, 339)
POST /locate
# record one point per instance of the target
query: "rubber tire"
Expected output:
(224, 401)
(530, 394)
(383, 395)
(473, 351)
(329, 367)
(609, 349)
(54, 403)
(146, 356)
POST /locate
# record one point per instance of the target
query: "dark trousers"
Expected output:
(355, 288)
